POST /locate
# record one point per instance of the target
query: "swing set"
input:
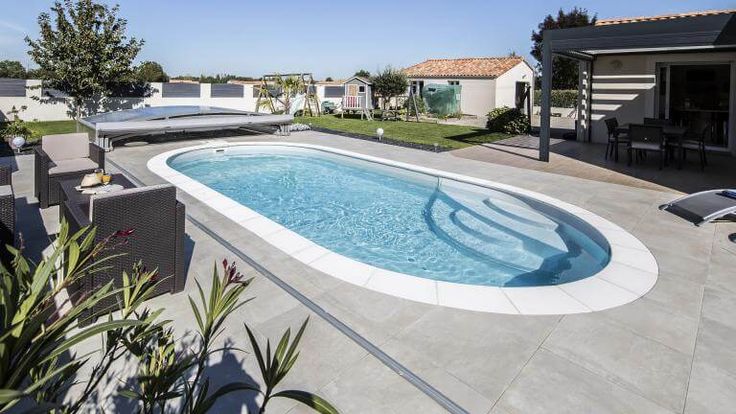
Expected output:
(290, 93)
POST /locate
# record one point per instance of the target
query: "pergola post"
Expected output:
(584, 100)
(544, 129)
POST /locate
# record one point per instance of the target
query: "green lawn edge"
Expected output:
(448, 136)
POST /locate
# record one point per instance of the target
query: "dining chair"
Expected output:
(615, 138)
(646, 138)
(696, 143)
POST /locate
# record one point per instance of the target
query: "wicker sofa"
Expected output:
(63, 157)
(7, 214)
(157, 241)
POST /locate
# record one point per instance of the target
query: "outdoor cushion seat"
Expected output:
(72, 165)
(644, 138)
(63, 157)
(156, 221)
(645, 146)
(7, 214)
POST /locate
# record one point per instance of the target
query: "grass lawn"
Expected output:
(40, 129)
(449, 136)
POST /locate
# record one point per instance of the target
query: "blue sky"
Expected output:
(328, 38)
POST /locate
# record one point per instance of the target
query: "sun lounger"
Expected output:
(703, 207)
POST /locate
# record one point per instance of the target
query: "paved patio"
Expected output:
(670, 351)
(586, 160)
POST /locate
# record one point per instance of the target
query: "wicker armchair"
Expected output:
(62, 157)
(7, 214)
(157, 221)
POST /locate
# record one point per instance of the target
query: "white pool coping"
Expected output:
(631, 272)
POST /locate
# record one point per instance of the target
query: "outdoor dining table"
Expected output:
(673, 135)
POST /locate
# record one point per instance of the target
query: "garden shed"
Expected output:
(485, 83)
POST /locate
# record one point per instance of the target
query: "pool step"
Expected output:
(465, 232)
(512, 217)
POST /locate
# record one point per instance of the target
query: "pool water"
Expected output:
(404, 221)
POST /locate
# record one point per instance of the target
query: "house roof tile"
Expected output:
(481, 67)
(622, 20)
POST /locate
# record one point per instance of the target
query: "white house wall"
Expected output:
(624, 86)
(506, 84)
(56, 110)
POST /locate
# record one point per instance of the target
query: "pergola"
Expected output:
(705, 31)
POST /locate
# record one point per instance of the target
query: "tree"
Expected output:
(389, 83)
(290, 86)
(363, 74)
(328, 79)
(564, 71)
(150, 71)
(37, 73)
(12, 69)
(84, 51)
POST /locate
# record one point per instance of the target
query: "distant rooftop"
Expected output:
(479, 67)
(622, 20)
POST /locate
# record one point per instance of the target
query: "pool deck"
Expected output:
(669, 351)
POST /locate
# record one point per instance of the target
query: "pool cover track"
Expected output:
(631, 272)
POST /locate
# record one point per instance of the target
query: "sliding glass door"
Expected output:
(696, 96)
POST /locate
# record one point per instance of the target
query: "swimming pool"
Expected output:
(396, 220)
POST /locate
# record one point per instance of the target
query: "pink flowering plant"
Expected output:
(41, 330)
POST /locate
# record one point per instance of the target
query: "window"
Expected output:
(334, 91)
(453, 83)
(361, 89)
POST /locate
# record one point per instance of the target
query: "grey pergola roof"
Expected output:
(695, 32)
(711, 32)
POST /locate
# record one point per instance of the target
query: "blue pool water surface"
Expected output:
(402, 220)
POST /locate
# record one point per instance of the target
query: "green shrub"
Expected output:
(15, 129)
(421, 106)
(508, 120)
(560, 98)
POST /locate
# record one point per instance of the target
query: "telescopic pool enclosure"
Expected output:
(113, 126)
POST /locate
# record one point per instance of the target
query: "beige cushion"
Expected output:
(67, 166)
(127, 191)
(66, 146)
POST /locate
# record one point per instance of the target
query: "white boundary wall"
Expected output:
(56, 109)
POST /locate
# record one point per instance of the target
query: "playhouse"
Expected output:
(358, 97)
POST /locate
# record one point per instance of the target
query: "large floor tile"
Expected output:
(711, 391)
(440, 378)
(716, 345)
(652, 320)
(550, 383)
(719, 305)
(370, 387)
(643, 365)
(677, 295)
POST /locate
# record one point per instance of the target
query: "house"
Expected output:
(485, 83)
(676, 67)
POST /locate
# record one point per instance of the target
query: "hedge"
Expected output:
(560, 98)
